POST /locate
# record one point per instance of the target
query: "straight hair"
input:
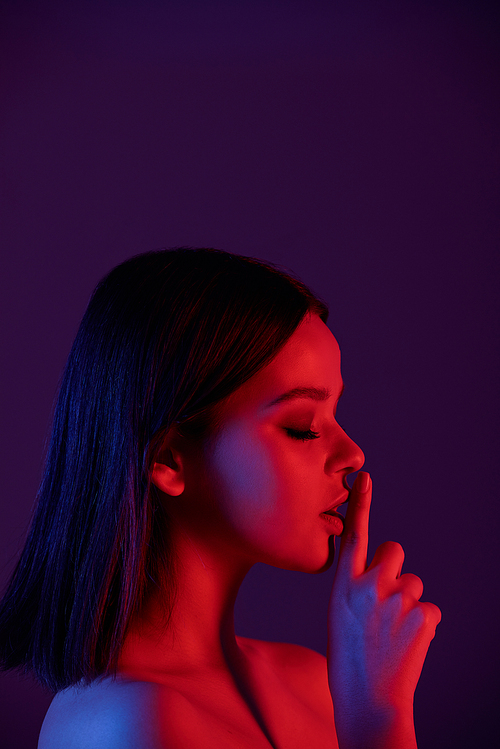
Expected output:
(167, 335)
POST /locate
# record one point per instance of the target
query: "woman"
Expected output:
(195, 435)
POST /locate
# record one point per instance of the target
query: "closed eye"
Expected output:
(304, 436)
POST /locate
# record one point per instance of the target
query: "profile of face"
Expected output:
(258, 490)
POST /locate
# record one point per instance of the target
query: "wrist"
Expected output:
(375, 728)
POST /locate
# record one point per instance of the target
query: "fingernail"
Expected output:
(362, 481)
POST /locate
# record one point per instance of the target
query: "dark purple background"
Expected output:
(354, 142)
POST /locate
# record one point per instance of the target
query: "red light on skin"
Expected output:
(335, 521)
(254, 494)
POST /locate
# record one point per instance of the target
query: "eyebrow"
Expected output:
(315, 394)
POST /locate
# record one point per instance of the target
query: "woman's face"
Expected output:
(279, 461)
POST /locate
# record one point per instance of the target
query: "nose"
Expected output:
(345, 455)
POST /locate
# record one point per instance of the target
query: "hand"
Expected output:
(379, 634)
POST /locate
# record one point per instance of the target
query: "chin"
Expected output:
(310, 566)
(329, 560)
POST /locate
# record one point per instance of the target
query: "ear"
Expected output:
(168, 470)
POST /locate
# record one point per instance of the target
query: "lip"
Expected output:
(336, 504)
(335, 522)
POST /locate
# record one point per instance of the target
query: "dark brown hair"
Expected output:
(167, 335)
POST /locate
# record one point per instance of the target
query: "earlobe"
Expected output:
(169, 480)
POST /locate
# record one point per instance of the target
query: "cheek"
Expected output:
(243, 476)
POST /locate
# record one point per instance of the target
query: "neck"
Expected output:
(200, 631)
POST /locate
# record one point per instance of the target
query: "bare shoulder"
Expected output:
(106, 715)
(302, 668)
(286, 655)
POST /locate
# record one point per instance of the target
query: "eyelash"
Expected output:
(303, 436)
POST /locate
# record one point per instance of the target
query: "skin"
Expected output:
(379, 634)
(256, 493)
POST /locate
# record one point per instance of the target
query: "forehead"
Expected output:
(310, 358)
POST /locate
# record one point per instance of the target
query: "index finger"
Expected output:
(354, 543)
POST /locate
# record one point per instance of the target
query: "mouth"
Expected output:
(335, 519)
(341, 501)
(335, 522)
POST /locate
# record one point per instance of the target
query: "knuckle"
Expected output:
(427, 616)
(363, 598)
(433, 613)
(411, 577)
(413, 582)
(417, 618)
(397, 600)
(395, 548)
(351, 537)
(391, 549)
